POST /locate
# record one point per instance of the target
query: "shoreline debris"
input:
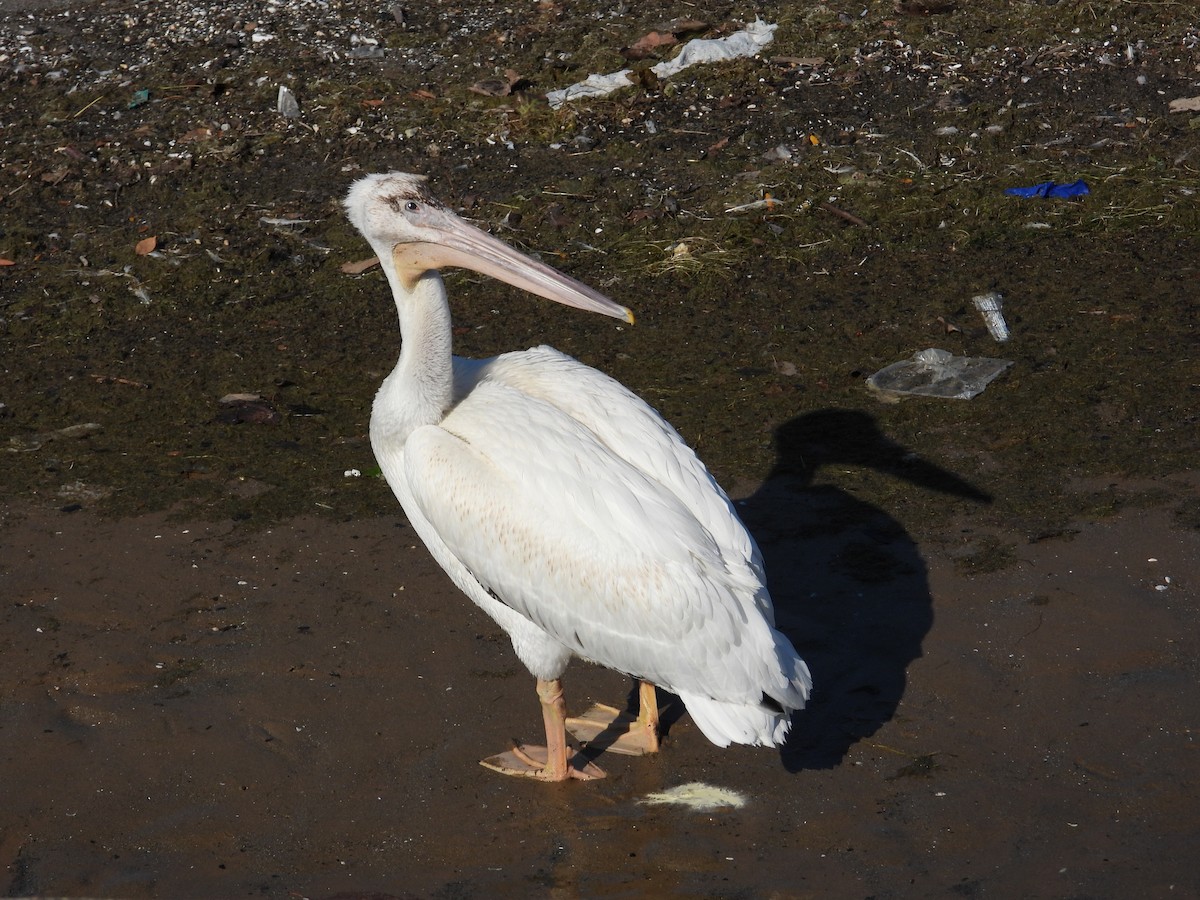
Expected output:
(747, 42)
(936, 373)
(287, 104)
(1051, 190)
(30, 442)
(989, 306)
(698, 796)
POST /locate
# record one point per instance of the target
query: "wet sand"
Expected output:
(194, 709)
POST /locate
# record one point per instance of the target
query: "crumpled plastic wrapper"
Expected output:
(747, 42)
(936, 373)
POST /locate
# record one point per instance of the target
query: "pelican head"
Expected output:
(410, 228)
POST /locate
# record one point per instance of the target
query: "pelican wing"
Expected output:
(636, 433)
(605, 537)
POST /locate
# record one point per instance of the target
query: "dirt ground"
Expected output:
(195, 709)
(227, 669)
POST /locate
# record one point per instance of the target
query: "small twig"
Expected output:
(117, 379)
(586, 198)
(848, 216)
(903, 753)
(90, 105)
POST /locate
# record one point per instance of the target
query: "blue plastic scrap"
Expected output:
(1050, 190)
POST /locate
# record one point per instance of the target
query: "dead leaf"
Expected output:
(117, 379)
(357, 268)
(372, 104)
(645, 78)
(948, 325)
(237, 409)
(56, 175)
(648, 43)
(1185, 104)
(492, 87)
(684, 26)
(799, 62)
(556, 215)
(499, 86)
(146, 246)
(7, 262)
(196, 134)
(641, 215)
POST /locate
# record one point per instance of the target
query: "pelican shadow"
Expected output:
(849, 584)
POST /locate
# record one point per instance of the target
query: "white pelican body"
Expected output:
(564, 505)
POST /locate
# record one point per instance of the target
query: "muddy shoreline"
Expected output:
(197, 709)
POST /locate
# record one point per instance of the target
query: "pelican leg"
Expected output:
(606, 728)
(549, 763)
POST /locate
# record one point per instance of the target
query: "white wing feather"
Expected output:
(572, 502)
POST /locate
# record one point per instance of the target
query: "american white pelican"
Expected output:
(566, 507)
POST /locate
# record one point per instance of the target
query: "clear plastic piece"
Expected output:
(936, 373)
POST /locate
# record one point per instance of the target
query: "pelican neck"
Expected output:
(421, 385)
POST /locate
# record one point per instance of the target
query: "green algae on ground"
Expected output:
(747, 321)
